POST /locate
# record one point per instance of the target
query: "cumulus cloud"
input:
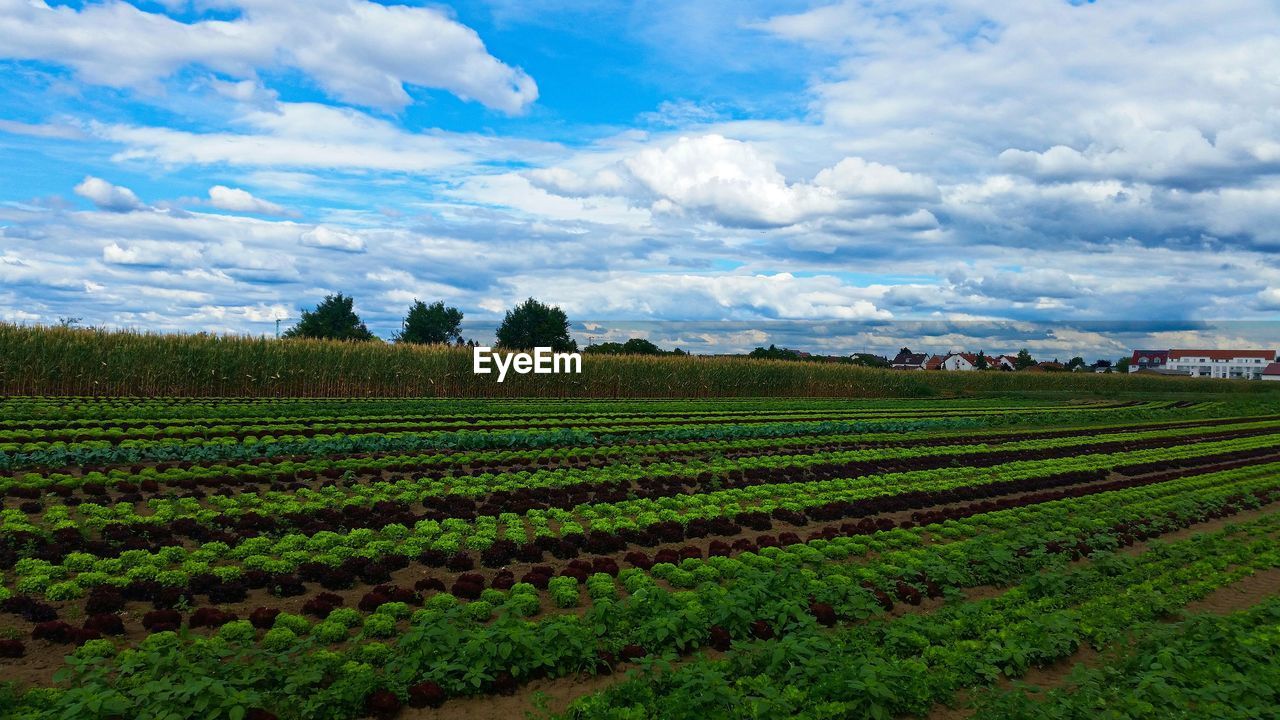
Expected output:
(113, 198)
(237, 200)
(729, 180)
(323, 237)
(735, 184)
(359, 52)
(855, 177)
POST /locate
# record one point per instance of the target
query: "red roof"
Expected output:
(1161, 356)
(1268, 355)
(1272, 369)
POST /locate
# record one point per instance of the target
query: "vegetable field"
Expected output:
(334, 559)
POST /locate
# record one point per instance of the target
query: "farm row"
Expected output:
(312, 559)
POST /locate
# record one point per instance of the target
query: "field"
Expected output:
(62, 362)
(820, 558)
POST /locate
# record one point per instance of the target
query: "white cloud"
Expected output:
(728, 179)
(1269, 299)
(237, 200)
(42, 130)
(727, 296)
(733, 183)
(106, 196)
(151, 253)
(856, 177)
(323, 237)
(359, 52)
(312, 135)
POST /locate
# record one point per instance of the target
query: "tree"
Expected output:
(333, 319)
(868, 360)
(980, 362)
(533, 324)
(431, 324)
(1122, 365)
(634, 346)
(1024, 360)
(1075, 363)
(773, 352)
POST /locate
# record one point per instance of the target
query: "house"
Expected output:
(1271, 372)
(907, 360)
(1005, 362)
(934, 362)
(966, 361)
(1101, 366)
(1148, 360)
(1222, 364)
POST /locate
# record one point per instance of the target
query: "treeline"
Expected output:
(87, 362)
(773, 352)
(528, 325)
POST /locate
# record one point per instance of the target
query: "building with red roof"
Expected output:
(1148, 360)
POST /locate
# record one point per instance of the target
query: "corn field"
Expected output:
(89, 362)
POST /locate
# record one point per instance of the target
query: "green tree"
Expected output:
(333, 319)
(773, 352)
(1024, 360)
(868, 360)
(1076, 363)
(533, 324)
(980, 362)
(431, 324)
(1122, 365)
(634, 346)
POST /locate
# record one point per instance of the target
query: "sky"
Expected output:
(1075, 177)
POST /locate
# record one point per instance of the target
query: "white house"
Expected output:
(966, 361)
(1005, 362)
(1223, 364)
(1271, 372)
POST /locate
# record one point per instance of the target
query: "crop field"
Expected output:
(424, 558)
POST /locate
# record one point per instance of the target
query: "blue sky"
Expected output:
(710, 174)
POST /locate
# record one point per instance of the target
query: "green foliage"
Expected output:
(634, 346)
(238, 631)
(329, 632)
(296, 624)
(380, 626)
(564, 592)
(431, 324)
(333, 319)
(60, 361)
(279, 639)
(533, 324)
(773, 352)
